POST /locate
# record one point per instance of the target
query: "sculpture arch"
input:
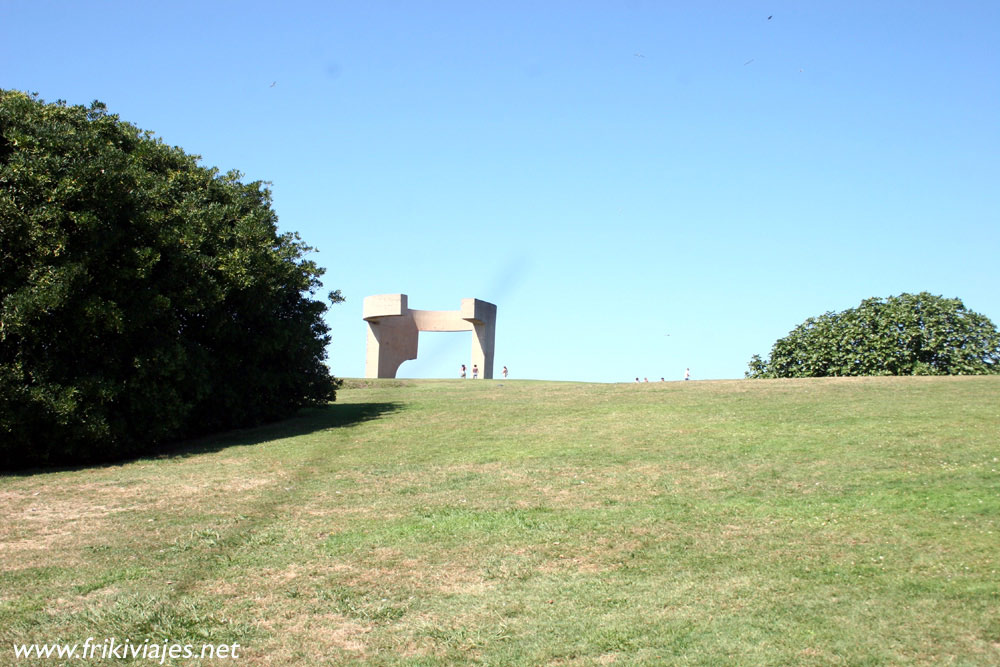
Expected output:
(393, 331)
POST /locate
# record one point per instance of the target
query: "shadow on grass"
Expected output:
(308, 420)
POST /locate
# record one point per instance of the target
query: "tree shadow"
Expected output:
(306, 421)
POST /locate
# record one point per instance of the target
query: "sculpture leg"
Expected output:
(391, 341)
(483, 339)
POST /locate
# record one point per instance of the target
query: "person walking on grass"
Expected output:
(504, 372)
(475, 372)
(463, 372)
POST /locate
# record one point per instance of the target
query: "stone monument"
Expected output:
(393, 331)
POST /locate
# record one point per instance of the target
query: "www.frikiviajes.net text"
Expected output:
(112, 649)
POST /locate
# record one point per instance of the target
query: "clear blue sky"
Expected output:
(639, 186)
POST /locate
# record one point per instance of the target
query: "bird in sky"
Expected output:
(770, 17)
(273, 84)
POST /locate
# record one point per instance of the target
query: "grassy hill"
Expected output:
(807, 522)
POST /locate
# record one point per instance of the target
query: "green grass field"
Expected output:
(786, 522)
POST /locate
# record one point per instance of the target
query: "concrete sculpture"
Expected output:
(393, 331)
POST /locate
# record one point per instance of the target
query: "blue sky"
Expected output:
(639, 186)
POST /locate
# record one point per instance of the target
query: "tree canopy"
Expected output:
(143, 298)
(909, 334)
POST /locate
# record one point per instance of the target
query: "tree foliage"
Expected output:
(143, 298)
(909, 334)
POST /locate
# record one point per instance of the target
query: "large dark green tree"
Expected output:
(143, 298)
(909, 334)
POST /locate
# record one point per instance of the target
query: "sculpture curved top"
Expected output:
(393, 331)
